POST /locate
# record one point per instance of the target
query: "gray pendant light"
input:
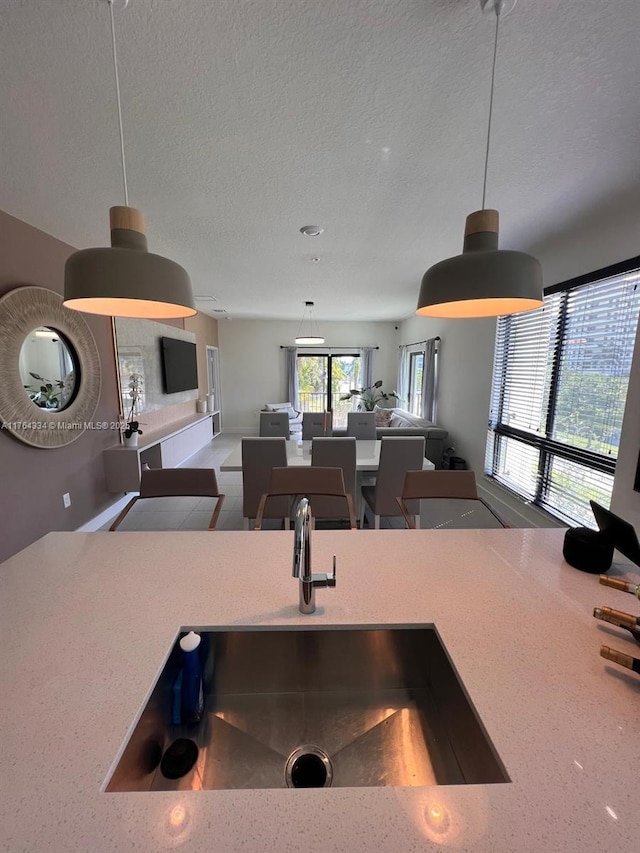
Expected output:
(126, 280)
(484, 281)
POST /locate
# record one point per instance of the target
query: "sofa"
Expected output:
(400, 422)
(295, 417)
(388, 422)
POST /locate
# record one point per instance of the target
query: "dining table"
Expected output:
(299, 455)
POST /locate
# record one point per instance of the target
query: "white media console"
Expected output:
(166, 448)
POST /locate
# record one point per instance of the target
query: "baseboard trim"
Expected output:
(106, 515)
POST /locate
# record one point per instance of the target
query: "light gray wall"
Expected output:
(466, 362)
(252, 365)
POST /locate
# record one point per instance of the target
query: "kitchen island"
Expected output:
(87, 621)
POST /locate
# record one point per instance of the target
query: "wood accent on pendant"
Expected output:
(129, 218)
(482, 220)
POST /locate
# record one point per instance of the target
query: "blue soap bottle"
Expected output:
(192, 694)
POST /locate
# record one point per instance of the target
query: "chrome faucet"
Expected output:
(302, 559)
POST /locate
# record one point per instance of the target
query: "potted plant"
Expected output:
(132, 430)
(48, 395)
(370, 396)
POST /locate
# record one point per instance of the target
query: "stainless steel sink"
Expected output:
(313, 707)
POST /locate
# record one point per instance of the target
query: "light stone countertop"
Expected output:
(86, 621)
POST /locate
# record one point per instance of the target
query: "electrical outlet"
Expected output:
(66, 500)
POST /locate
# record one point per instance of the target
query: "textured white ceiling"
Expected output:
(246, 119)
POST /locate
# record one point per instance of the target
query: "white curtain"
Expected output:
(66, 362)
(366, 367)
(293, 391)
(430, 380)
(402, 385)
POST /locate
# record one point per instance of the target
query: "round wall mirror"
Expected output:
(48, 367)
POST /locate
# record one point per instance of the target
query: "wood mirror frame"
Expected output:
(21, 311)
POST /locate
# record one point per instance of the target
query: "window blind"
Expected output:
(559, 389)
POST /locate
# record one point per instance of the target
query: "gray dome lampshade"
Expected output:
(483, 281)
(126, 280)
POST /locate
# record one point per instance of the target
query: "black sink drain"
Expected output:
(179, 758)
(308, 767)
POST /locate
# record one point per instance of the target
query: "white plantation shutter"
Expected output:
(559, 389)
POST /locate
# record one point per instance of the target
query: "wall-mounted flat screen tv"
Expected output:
(179, 366)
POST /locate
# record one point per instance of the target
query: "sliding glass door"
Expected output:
(323, 379)
(345, 375)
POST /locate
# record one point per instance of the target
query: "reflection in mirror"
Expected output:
(131, 363)
(48, 369)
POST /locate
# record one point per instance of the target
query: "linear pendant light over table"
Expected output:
(483, 281)
(125, 280)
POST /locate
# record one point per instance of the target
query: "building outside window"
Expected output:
(560, 381)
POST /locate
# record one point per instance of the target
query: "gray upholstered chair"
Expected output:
(316, 424)
(307, 482)
(274, 425)
(362, 425)
(397, 456)
(259, 456)
(454, 499)
(335, 453)
(176, 482)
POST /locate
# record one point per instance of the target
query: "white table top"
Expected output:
(299, 455)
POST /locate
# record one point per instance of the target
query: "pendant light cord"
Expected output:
(498, 8)
(310, 307)
(304, 314)
(115, 72)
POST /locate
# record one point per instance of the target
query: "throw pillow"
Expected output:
(277, 407)
(289, 410)
(383, 417)
(400, 423)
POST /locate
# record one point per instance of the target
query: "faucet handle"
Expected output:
(331, 579)
(325, 579)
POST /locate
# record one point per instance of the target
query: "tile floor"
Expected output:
(193, 513)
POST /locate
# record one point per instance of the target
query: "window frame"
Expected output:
(549, 448)
(329, 356)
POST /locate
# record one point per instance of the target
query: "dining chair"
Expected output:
(362, 425)
(335, 453)
(176, 482)
(316, 424)
(259, 456)
(397, 456)
(274, 425)
(456, 503)
(307, 482)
